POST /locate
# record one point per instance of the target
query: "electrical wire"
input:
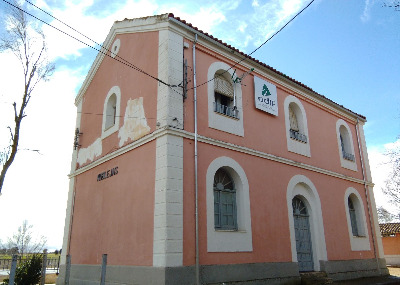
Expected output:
(247, 58)
(117, 58)
(243, 59)
(127, 63)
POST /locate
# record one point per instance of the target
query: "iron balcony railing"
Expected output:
(298, 136)
(348, 156)
(225, 110)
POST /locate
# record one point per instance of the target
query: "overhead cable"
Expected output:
(246, 58)
(119, 59)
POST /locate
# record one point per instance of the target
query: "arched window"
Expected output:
(353, 217)
(296, 126)
(345, 145)
(297, 130)
(225, 217)
(224, 97)
(228, 207)
(111, 111)
(224, 100)
(356, 220)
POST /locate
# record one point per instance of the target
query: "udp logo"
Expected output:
(265, 96)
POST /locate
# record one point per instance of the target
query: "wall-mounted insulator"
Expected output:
(76, 139)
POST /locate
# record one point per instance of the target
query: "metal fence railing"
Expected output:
(51, 263)
(47, 263)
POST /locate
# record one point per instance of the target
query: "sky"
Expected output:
(348, 51)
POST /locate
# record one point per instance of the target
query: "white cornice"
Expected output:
(157, 23)
(230, 54)
(140, 25)
(146, 139)
(188, 135)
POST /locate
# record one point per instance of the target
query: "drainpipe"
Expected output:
(367, 197)
(195, 163)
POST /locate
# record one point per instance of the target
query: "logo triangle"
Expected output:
(265, 91)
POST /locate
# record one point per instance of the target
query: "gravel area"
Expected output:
(395, 271)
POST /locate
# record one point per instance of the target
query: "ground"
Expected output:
(394, 271)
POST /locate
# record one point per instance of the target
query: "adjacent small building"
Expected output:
(195, 163)
(391, 242)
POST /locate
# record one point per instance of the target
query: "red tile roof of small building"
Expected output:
(171, 15)
(389, 229)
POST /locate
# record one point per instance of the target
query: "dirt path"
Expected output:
(395, 271)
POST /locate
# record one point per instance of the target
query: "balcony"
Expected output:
(225, 110)
(348, 156)
(298, 136)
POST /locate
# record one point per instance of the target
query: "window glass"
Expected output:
(294, 125)
(224, 97)
(345, 144)
(224, 201)
(353, 218)
(111, 111)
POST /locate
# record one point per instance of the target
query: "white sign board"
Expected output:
(265, 96)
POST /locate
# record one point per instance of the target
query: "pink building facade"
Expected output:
(185, 172)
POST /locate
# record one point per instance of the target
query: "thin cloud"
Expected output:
(271, 15)
(366, 15)
(255, 3)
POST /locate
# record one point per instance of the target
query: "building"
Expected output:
(391, 242)
(195, 163)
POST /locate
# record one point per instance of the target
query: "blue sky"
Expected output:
(347, 51)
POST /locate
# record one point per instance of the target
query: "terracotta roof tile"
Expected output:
(389, 229)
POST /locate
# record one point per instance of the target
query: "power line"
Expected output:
(123, 61)
(127, 63)
(246, 58)
(101, 46)
(243, 59)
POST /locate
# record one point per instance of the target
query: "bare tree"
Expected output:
(384, 216)
(27, 42)
(392, 183)
(24, 241)
(392, 4)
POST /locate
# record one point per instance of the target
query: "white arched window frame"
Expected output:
(301, 186)
(235, 240)
(296, 127)
(359, 238)
(111, 112)
(232, 121)
(345, 145)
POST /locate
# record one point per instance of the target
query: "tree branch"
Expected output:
(21, 39)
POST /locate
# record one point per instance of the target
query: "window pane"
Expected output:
(110, 111)
(353, 217)
(224, 201)
(294, 125)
